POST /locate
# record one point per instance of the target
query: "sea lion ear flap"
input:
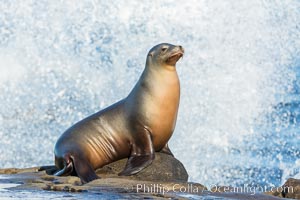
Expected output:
(151, 54)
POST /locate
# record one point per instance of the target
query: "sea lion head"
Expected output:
(165, 55)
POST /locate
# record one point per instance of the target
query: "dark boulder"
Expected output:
(291, 189)
(164, 168)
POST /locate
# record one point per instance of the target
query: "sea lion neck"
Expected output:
(156, 78)
(160, 68)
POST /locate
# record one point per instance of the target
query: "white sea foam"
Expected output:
(11, 70)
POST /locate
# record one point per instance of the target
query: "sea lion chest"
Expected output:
(161, 107)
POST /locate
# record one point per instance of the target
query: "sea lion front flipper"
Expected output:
(166, 150)
(84, 170)
(50, 170)
(142, 154)
(136, 163)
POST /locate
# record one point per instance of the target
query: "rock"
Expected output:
(240, 193)
(291, 189)
(275, 193)
(16, 170)
(31, 183)
(165, 178)
(163, 168)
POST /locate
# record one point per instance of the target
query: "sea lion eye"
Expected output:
(163, 49)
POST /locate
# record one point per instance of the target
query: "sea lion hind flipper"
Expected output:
(84, 170)
(136, 163)
(166, 150)
(66, 171)
(142, 154)
(50, 170)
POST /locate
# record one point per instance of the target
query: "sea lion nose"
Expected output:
(181, 48)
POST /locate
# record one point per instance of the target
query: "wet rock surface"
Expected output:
(164, 168)
(290, 189)
(165, 178)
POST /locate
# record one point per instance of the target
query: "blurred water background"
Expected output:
(238, 122)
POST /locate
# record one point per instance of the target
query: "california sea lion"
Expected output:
(134, 127)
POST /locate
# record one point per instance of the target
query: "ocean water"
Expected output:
(238, 122)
